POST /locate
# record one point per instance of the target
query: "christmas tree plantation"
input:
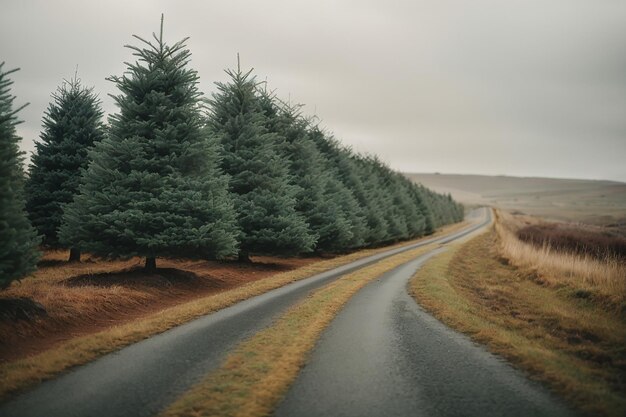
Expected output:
(260, 182)
(169, 177)
(153, 187)
(318, 197)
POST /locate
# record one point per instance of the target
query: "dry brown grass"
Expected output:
(577, 239)
(83, 298)
(19, 374)
(254, 377)
(573, 344)
(605, 280)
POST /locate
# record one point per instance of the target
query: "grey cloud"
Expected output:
(518, 87)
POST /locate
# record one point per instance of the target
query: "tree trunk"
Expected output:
(150, 264)
(244, 257)
(74, 255)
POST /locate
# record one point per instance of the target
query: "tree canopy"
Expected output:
(260, 181)
(18, 242)
(72, 124)
(153, 186)
(175, 175)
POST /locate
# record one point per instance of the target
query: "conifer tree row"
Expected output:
(260, 182)
(318, 197)
(174, 175)
(153, 187)
(347, 200)
(383, 206)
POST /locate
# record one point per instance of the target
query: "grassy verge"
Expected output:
(254, 377)
(570, 342)
(23, 373)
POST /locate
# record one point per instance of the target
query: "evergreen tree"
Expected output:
(72, 124)
(393, 207)
(413, 208)
(390, 198)
(379, 224)
(345, 186)
(259, 175)
(405, 206)
(348, 228)
(316, 198)
(18, 240)
(420, 201)
(153, 187)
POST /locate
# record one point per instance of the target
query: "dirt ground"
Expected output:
(86, 297)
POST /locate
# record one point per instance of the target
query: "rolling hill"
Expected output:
(586, 201)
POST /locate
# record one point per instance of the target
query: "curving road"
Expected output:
(385, 356)
(142, 379)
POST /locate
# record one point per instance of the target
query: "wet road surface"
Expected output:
(383, 355)
(142, 379)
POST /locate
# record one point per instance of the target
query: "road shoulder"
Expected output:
(542, 330)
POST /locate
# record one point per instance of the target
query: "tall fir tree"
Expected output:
(345, 183)
(383, 191)
(348, 230)
(154, 187)
(18, 239)
(378, 203)
(421, 202)
(317, 198)
(413, 209)
(72, 124)
(259, 174)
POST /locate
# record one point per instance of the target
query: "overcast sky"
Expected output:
(528, 87)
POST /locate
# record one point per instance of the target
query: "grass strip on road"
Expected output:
(255, 376)
(23, 373)
(572, 344)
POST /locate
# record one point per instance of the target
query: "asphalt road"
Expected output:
(383, 355)
(142, 379)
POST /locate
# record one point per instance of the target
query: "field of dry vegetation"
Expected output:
(557, 314)
(586, 259)
(583, 240)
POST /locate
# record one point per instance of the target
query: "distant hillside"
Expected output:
(595, 202)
